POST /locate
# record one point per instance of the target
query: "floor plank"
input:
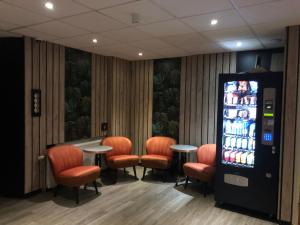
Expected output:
(128, 202)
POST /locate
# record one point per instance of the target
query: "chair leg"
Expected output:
(85, 187)
(134, 170)
(76, 189)
(144, 172)
(124, 170)
(186, 182)
(56, 190)
(205, 189)
(96, 188)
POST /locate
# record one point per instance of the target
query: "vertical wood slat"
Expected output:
(28, 118)
(150, 99)
(61, 101)
(187, 113)
(42, 134)
(199, 94)
(193, 106)
(290, 120)
(211, 100)
(218, 72)
(296, 199)
(205, 98)
(182, 100)
(49, 105)
(55, 93)
(93, 96)
(35, 120)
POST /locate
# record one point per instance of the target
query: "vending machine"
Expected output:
(248, 140)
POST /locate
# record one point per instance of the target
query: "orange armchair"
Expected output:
(204, 169)
(66, 162)
(159, 155)
(120, 156)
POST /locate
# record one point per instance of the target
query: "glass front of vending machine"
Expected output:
(239, 123)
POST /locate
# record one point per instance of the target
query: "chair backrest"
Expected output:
(64, 157)
(206, 154)
(120, 145)
(160, 146)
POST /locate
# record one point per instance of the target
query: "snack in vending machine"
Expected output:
(233, 142)
(232, 156)
(238, 157)
(253, 100)
(252, 130)
(227, 141)
(244, 157)
(235, 99)
(244, 143)
(252, 113)
(245, 128)
(229, 98)
(239, 143)
(253, 86)
(228, 127)
(230, 86)
(250, 144)
(250, 159)
(227, 155)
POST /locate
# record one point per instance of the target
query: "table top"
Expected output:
(183, 148)
(99, 149)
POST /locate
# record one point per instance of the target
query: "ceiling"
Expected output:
(166, 28)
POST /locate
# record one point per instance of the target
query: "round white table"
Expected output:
(98, 150)
(182, 149)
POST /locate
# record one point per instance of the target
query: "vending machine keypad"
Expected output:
(268, 116)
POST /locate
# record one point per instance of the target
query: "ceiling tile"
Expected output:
(229, 34)
(167, 28)
(86, 41)
(226, 19)
(8, 34)
(243, 3)
(271, 35)
(203, 48)
(19, 16)
(4, 25)
(285, 11)
(58, 29)
(247, 44)
(100, 4)
(35, 34)
(170, 52)
(62, 8)
(126, 35)
(147, 12)
(94, 22)
(181, 8)
(151, 44)
(182, 39)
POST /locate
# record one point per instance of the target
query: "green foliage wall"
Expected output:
(166, 97)
(77, 95)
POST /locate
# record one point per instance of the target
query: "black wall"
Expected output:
(246, 60)
(12, 132)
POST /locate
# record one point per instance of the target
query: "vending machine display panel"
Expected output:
(239, 123)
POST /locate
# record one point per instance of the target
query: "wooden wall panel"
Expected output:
(291, 116)
(141, 104)
(99, 94)
(198, 96)
(44, 70)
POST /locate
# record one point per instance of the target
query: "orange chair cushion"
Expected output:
(120, 145)
(206, 154)
(156, 161)
(78, 176)
(199, 171)
(64, 157)
(122, 161)
(160, 146)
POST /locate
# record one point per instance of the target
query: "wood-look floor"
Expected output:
(128, 202)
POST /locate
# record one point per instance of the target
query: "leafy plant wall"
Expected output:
(77, 95)
(166, 97)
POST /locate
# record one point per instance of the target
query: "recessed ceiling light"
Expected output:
(49, 5)
(239, 44)
(213, 22)
(95, 41)
(140, 54)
